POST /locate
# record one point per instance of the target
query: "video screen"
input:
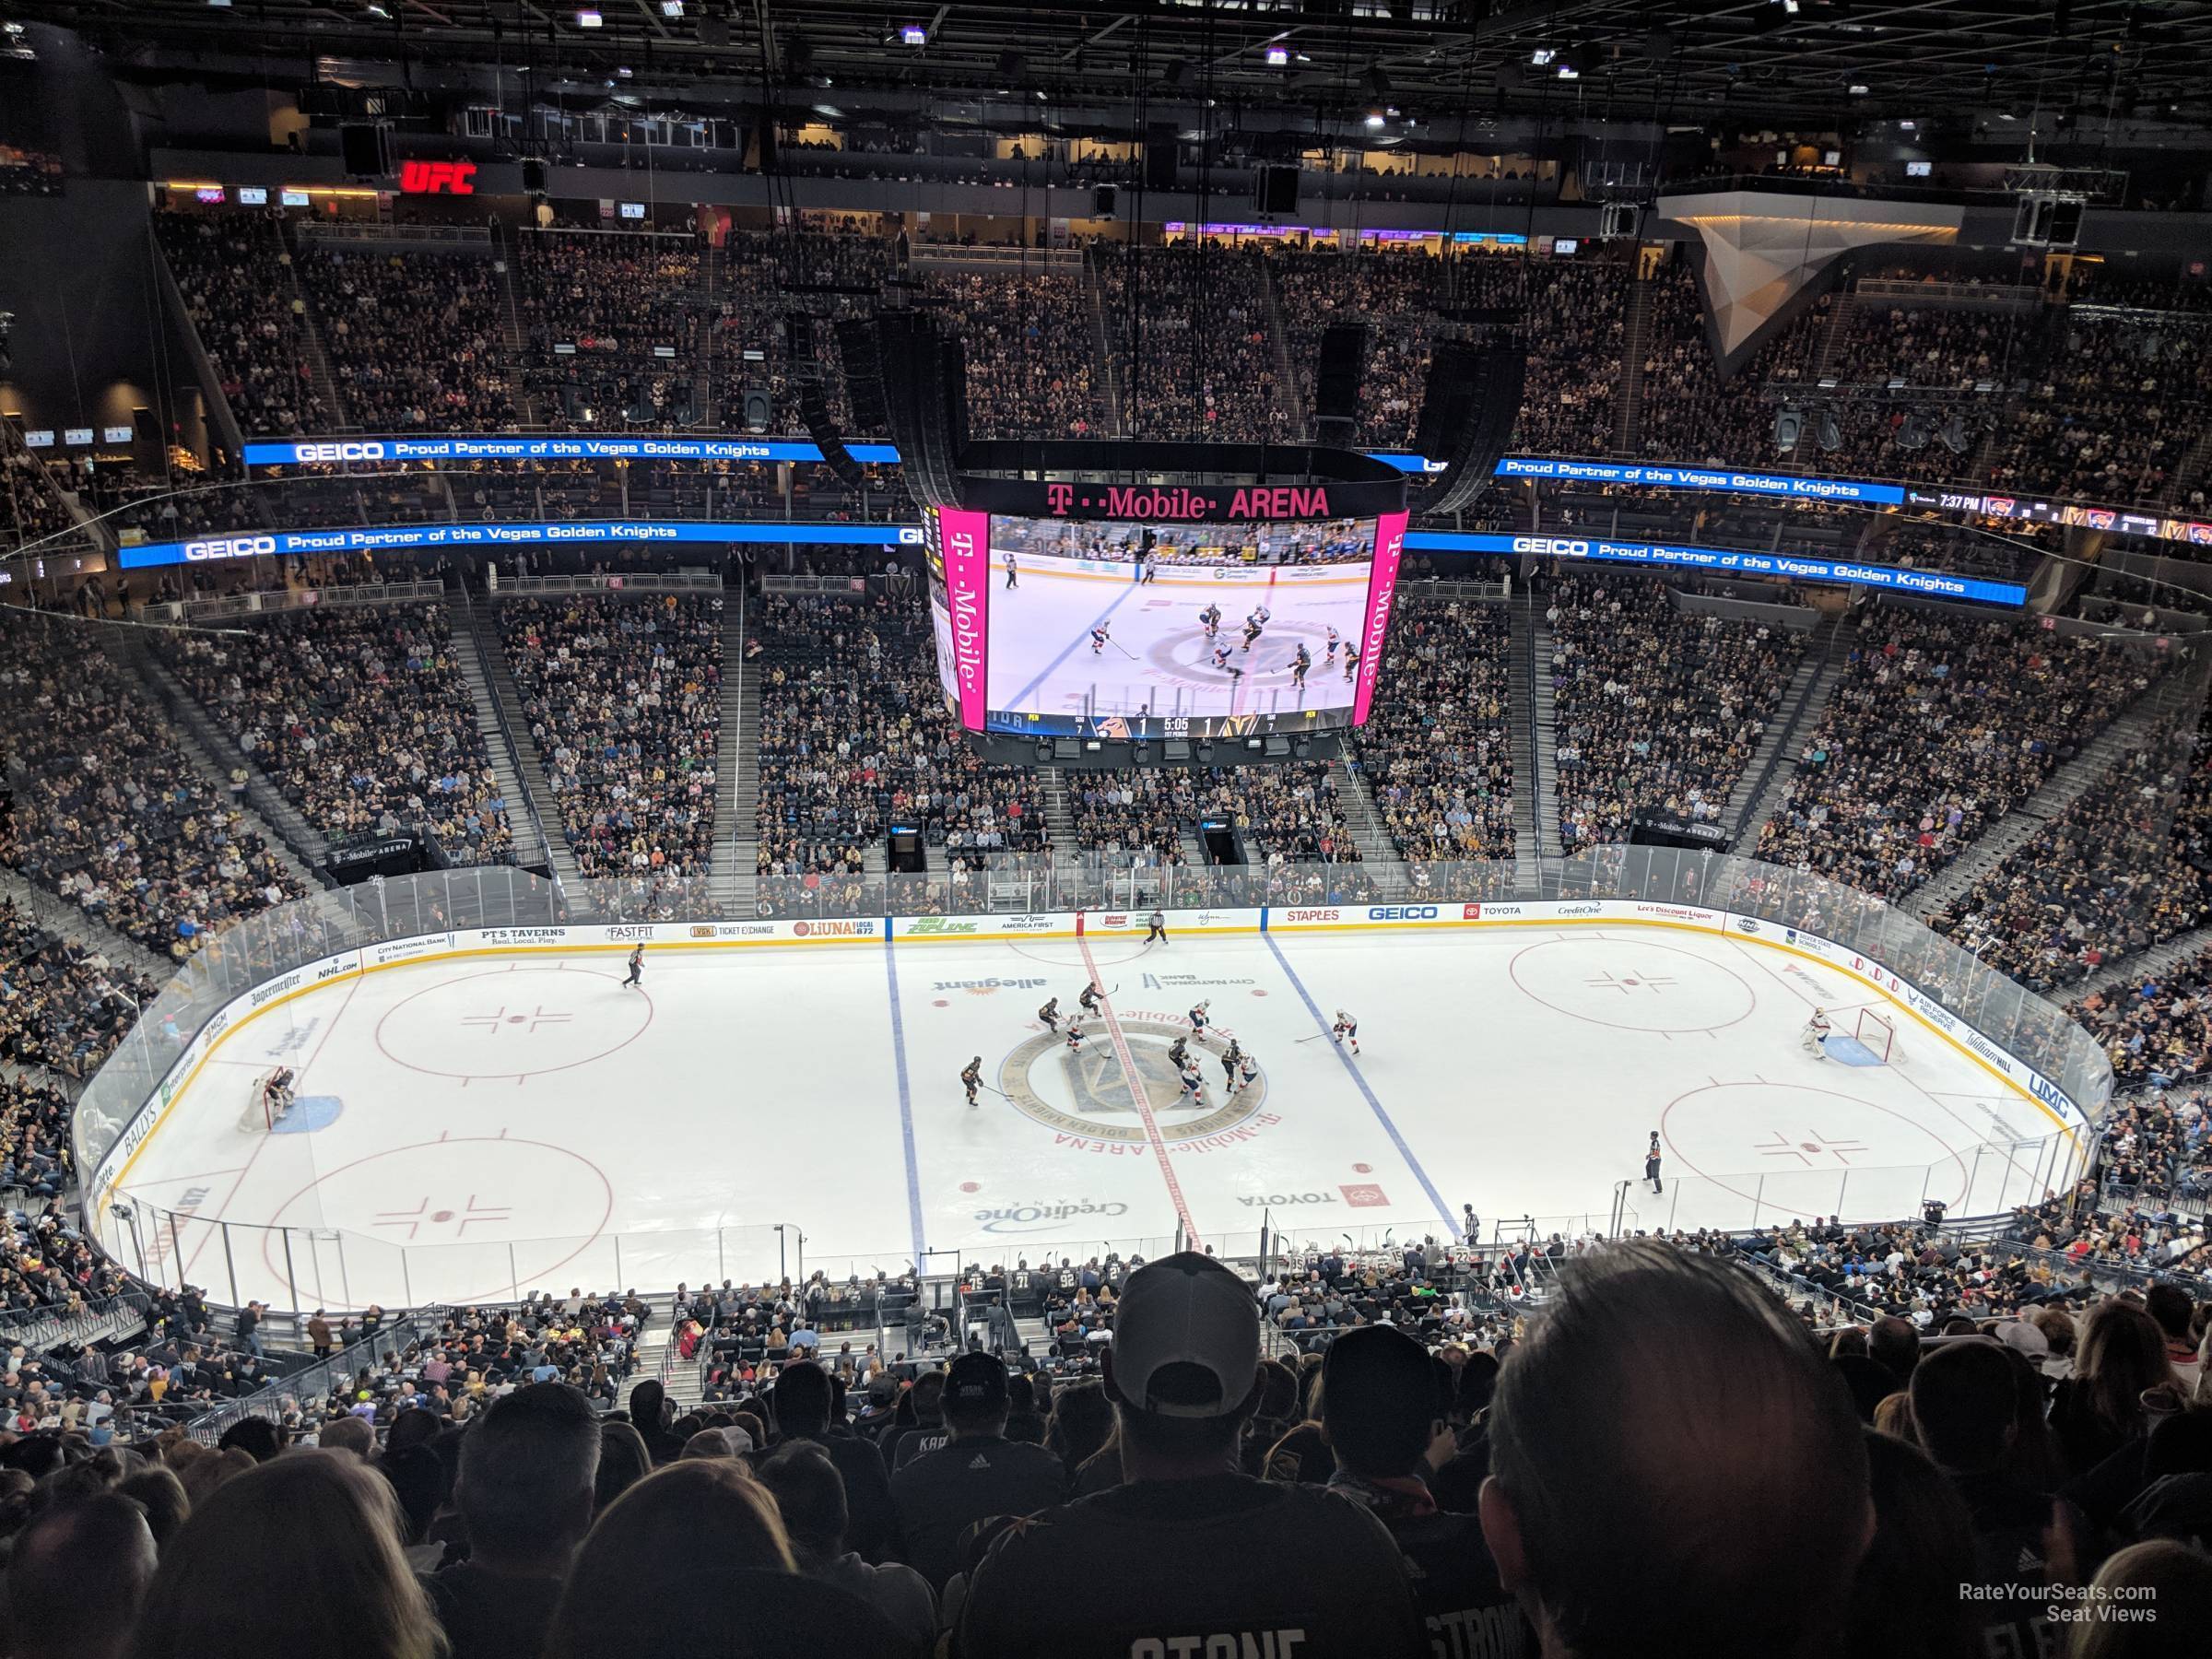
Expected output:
(1123, 628)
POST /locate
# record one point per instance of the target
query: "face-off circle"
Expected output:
(1632, 984)
(472, 1215)
(1085, 1093)
(1799, 1143)
(508, 1024)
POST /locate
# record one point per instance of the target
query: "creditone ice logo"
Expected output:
(1043, 1216)
(1085, 1097)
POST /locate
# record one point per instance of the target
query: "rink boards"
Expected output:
(889, 932)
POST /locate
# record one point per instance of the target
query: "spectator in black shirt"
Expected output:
(978, 1474)
(801, 1400)
(811, 1498)
(1386, 1408)
(525, 1495)
(1203, 1558)
(76, 1578)
(1674, 1468)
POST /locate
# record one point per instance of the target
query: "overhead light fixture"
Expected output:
(589, 19)
(1278, 56)
(1374, 121)
(1789, 426)
(1857, 89)
(913, 34)
(672, 9)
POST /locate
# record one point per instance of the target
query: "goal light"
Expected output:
(913, 34)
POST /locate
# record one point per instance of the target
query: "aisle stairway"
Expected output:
(2144, 965)
(1522, 723)
(1543, 737)
(1635, 342)
(311, 339)
(511, 324)
(737, 784)
(1290, 395)
(1812, 684)
(1377, 850)
(1101, 349)
(529, 763)
(2086, 770)
(300, 847)
(525, 817)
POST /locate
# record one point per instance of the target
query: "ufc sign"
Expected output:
(438, 178)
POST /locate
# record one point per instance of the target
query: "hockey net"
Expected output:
(1877, 1033)
(268, 1100)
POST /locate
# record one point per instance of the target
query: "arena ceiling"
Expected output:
(1702, 61)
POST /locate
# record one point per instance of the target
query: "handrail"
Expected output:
(268, 1401)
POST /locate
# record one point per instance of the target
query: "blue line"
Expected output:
(1359, 1083)
(1021, 697)
(906, 1101)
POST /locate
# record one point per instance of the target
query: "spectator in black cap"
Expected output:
(1205, 1558)
(978, 1474)
(1385, 1407)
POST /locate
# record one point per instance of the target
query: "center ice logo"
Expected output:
(1085, 1094)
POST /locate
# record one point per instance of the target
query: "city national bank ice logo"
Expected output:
(1084, 1098)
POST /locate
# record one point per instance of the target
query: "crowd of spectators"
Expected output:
(363, 718)
(232, 272)
(35, 1156)
(613, 301)
(1939, 728)
(2101, 881)
(63, 1005)
(1436, 750)
(2156, 1029)
(2114, 402)
(108, 812)
(754, 296)
(1188, 328)
(415, 341)
(1993, 1443)
(1655, 708)
(854, 732)
(1026, 336)
(624, 701)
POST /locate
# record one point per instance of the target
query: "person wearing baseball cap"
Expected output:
(1203, 1555)
(976, 1474)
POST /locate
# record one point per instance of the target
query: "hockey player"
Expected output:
(1298, 665)
(1074, 1036)
(1089, 999)
(1050, 1014)
(1346, 1030)
(636, 968)
(1815, 1033)
(1351, 662)
(1149, 561)
(1098, 638)
(1328, 654)
(1211, 618)
(971, 1079)
(1650, 1161)
(1010, 569)
(1198, 1018)
(1229, 1056)
(1262, 615)
(1221, 661)
(1177, 1051)
(1156, 924)
(1252, 628)
(1248, 1072)
(1193, 1085)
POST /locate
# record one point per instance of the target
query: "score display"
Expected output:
(1134, 628)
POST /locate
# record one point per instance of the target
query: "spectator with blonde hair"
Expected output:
(2167, 1585)
(299, 1556)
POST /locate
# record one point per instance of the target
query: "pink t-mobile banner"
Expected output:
(965, 537)
(1390, 543)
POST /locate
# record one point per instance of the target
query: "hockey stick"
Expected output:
(1315, 1038)
(1118, 646)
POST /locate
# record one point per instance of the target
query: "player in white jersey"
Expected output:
(1328, 655)
(1193, 1084)
(1346, 1030)
(1815, 1033)
(1248, 1071)
(1098, 638)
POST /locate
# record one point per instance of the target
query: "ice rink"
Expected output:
(475, 1128)
(1157, 659)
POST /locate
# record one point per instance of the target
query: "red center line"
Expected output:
(1136, 1093)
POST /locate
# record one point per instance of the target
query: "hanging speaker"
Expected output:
(366, 148)
(1163, 163)
(1274, 189)
(534, 176)
(1337, 382)
(1103, 198)
(1468, 409)
(863, 377)
(756, 408)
